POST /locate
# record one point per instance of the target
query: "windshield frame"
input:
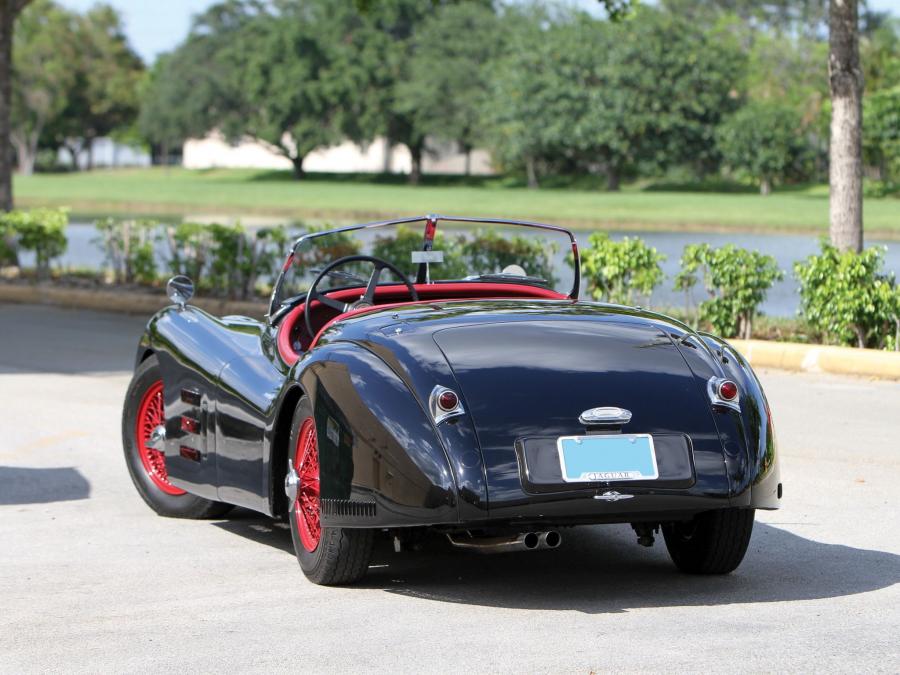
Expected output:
(431, 222)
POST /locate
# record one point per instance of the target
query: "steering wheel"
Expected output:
(367, 299)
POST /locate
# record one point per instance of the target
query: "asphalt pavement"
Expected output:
(92, 581)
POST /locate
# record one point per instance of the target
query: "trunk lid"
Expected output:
(532, 379)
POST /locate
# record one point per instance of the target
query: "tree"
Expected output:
(46, 51)
(103, 97)
(445, 92)
(606, 97)
(529, 108)
(9, 11)
(845, 167)
(762, 141)
(191, 90)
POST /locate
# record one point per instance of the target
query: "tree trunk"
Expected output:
(468, 165)
(25, 154)
(8, 11)
(845, 154)
(531, 173)
(612, 179)
(860, 336)
(765, 186)
(415, 173)
(297, 164)
(89, 145)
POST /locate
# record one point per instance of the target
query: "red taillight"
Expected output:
(448, 401)
(728, 390)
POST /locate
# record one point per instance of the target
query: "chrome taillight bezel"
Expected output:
(438, 413)
(714, 389)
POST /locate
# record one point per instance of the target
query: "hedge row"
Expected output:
(846, 297)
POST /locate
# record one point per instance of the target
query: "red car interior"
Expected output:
(294, 338)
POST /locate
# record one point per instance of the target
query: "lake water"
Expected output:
(782, 299)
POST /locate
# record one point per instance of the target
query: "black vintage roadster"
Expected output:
(413, 388)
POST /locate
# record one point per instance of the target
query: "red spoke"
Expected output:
(151, 414)
(306, 464)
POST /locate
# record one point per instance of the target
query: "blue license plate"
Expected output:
(613, 457)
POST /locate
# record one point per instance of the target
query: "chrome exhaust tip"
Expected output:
(525, 541)
(551, 539)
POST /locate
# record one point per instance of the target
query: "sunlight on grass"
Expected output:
(247, 192)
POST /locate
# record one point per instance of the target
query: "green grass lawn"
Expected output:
(246, 192)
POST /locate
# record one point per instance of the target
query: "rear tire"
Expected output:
(712, 543)
(329, 556)
(143, 410)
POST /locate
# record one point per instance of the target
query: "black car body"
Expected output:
(523, 363)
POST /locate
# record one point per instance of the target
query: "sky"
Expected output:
(156, 26)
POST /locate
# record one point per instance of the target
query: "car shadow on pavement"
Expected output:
(262, 530)
(26, 485)
(601, 569)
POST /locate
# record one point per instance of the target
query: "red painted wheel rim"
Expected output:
(150, 415)
(306, 465)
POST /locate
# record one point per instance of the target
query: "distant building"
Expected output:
(107, 153)
(215, 151)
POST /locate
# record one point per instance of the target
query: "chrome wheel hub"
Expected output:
(291, 485)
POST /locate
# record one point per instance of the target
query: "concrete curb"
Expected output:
(820, 358)
(129, 302)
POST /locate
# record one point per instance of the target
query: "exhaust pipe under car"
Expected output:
(524, 541)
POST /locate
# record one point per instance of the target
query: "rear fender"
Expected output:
(749, 434)
(381, 462)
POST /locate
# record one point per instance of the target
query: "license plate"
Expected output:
(613, 457)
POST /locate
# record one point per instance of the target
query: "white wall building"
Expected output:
(108, 153)
(215, 151)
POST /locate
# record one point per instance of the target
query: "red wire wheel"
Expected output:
(306, 465)
(150, 415)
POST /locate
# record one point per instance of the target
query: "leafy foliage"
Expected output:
(42, 231)
(736, 280)
(446, 88)
(617, 270)
(848, 297)
(129, 248)
(881, 141)
(572, 91)
(397, 248)
(45, 52)
(239, 257)
(762, 141)
(489, 252)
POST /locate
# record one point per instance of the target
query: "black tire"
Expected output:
(342, 555)
(712, 543)
(184, 505)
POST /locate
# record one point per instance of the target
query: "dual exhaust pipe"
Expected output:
(524, 541)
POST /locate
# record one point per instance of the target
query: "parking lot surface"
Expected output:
(92, 580)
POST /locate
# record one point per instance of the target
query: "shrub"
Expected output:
(319, 251)
(848, 298)
(617, 270)
(489, 252)
(129, 248)
(189, 248)
(238, 257)
(399, 247)
(736, 280)
(40, 230)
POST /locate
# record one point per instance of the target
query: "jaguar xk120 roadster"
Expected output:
(475, 395)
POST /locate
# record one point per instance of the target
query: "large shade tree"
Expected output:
(445, 92)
